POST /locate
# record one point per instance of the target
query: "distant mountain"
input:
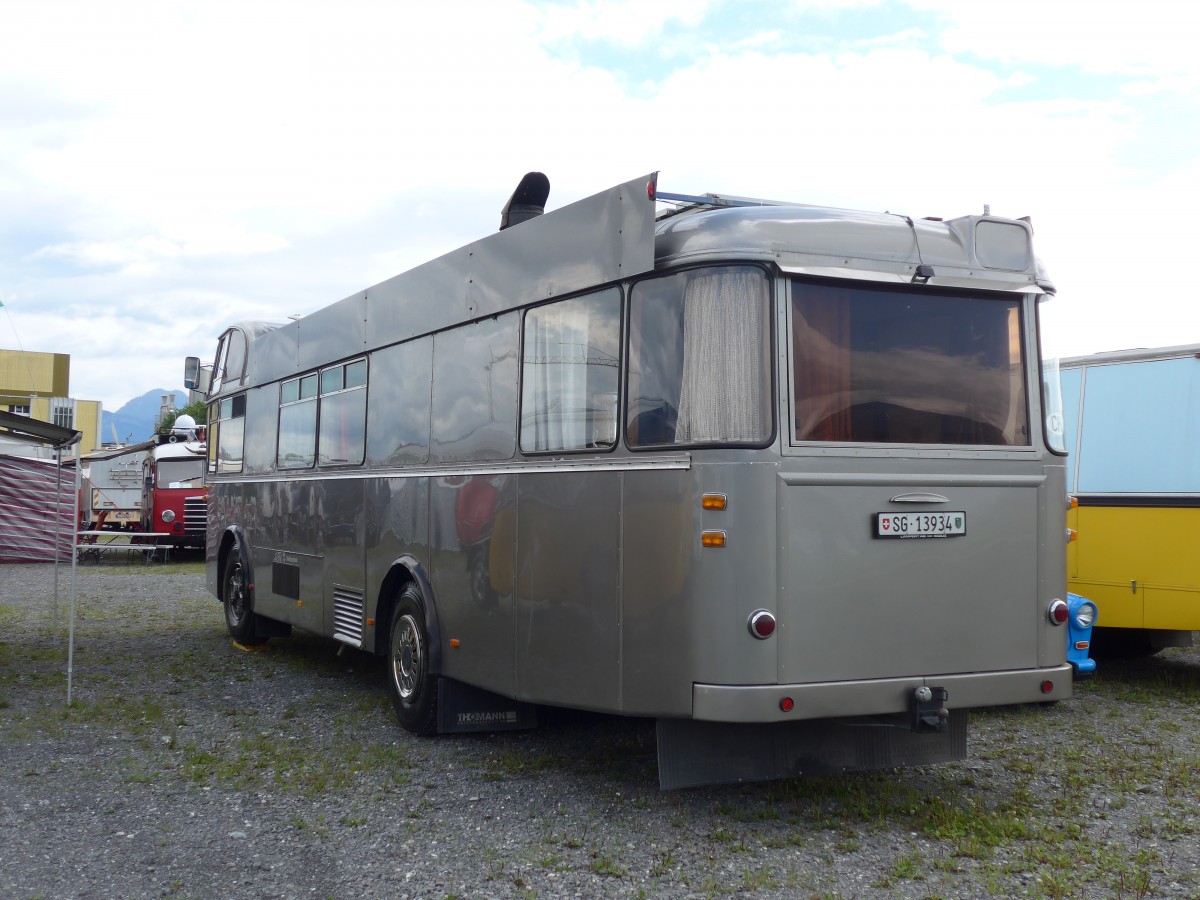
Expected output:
(134, 422)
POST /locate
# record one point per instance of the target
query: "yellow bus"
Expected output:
(1132, 423)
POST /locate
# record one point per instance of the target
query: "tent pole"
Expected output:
(58, 455)
(74, 566)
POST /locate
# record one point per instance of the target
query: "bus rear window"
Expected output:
(897, 366)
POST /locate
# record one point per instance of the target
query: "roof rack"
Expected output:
(689, 203)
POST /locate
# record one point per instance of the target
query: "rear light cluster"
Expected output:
(717, 503)
(761, 622)
(1058, 612)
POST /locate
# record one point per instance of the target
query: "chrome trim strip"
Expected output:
(280, 556)
(932, 480)
(625, 464)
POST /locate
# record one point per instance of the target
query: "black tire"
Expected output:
(414, 688)
(239, 605)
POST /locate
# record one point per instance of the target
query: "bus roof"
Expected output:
(1139, 354)
(614, 235)
(987, 252)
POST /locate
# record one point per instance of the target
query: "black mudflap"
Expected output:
(692, 753)
(463, 708)
(266, 628)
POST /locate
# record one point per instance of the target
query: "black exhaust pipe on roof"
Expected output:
(527, 201)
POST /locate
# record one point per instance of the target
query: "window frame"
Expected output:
(771, 375)
(622, 297)
(294, 402)
(907, 447)
(342, 390)
(217, 429)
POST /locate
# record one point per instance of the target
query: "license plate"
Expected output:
(920, 525)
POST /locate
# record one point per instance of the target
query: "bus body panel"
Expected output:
(658, 518)
(1139, 564)
(287, 565)
(474, 608)
(915, 606)
(399, 509)
(343, 541)
(686, 607)
(593, 241)
(568, 596)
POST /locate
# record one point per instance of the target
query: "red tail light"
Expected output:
(762, 624)
(1058, 612)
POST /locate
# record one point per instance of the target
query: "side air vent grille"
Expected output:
(348, 616)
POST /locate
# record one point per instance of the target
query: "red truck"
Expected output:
(173, 494)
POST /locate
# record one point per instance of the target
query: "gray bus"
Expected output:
(774, 475)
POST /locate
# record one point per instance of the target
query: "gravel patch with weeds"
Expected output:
(187, 767)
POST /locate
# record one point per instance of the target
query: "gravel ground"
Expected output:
(185, 766)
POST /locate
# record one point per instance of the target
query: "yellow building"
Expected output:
(38, 385)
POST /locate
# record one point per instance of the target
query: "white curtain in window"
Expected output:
(721, 395)
(557, 356)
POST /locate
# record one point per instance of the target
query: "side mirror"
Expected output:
(191, 373)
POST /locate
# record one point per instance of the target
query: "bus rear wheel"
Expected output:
(235, 596)
(414, 688)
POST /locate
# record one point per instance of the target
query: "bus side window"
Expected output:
(343, 414)
(231, 360)
(475, 391)
(230, 434)
(297, 423)
(398, 403)
(699, 359)
(213, 436)
(569, 374)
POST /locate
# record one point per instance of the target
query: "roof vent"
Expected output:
(527, 201)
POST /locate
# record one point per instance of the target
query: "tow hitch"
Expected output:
(928, 707)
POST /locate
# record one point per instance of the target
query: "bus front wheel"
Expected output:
(413, 687)
(235, 596)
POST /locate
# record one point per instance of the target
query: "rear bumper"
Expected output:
(760, 703)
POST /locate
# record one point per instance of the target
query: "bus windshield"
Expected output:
(890, 365)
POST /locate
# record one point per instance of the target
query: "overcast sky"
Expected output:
(168, 168)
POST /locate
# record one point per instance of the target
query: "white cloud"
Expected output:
(168, 168)
(628, 23)
(1154, 37)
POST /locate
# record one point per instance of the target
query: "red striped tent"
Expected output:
(37, 509)
(38, 503)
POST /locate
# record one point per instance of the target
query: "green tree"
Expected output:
(197, 411)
